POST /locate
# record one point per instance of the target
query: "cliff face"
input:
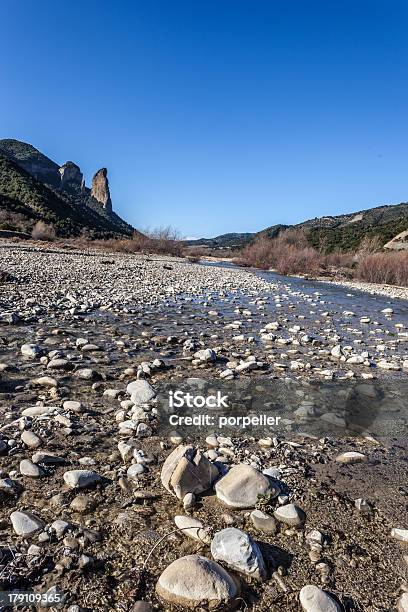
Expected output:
(33, 187)
(71, 177)
(100, 189)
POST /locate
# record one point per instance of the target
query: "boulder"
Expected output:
(242, 485)
(195, 581)
(187, 470)
(313, 599)
(238, 550)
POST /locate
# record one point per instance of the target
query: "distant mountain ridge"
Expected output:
(33, 187)
(388, 223)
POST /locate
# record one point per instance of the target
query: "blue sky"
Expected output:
(218, 115)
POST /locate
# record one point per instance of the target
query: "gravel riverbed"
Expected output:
(105, 507)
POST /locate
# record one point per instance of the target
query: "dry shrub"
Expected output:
(42, 231)
(370, 244)
(287, 254)
(384, 268)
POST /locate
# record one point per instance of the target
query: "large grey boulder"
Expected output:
(238, 550)
(195, 581)
(242, 485)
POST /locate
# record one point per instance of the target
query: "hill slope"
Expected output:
(342, 232)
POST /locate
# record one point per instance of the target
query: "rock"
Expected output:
(35, 411)
(402, 603)
(140, 391)
(194, 581)
(71, 177)
(263, 522)
(26, 524)
(313, 599)
(290, 515)
(72, 406)
(351, 457)
(141, 606)
(27, 468)
(206, 355)
(45, 381)
(187, 470)
(189, 501)
(193, 528)
(242, 485)
(400, 534)
(81, 478)
(31, 350)
(100, 189)
(30, 439)
(134, 471)
(238, 550)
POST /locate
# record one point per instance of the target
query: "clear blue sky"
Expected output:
(215, 115)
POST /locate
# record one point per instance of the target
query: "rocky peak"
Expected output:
(71, 176)
(100, 189)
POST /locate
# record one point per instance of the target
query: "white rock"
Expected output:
(193, 528)
(81, 478)
(290, 515)
(140, 391)
(242, 485)
(194, 580)
(238, 550)
(26, 524)
(313, 599)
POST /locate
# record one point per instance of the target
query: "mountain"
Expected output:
(34, 188)
(389, 224)
(223, 241)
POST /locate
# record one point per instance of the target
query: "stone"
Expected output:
(193, 528)
(263, 522)
(30, 439)
(206, 355)
(141, 606)
(35, 411)
(134, 471)
(27, 468)
(100, 189)
(242, 485)
(140, 391)
(193, 581)
(238, 550)
(400, 534)
(26, 524)
(313, 599)
(351, 457)
(81, 478)
(72, 406)
(290, 515)
(187, 470)
(31, 350)
(402, 603)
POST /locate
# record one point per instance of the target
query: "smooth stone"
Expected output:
(72, 406)
(313, 599)
(351, 457)
(35, 411)
(400, 534)
(290, 515)
(31, 350)
(193, 528)
(27, 468)
(402, 603)
(26, 524)
(263, 522)
(194, 580)
(242, 485)
(135, 470)
(81, 478)
(238, 550)
(30, 439)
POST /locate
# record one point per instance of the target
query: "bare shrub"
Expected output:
(42, 231)
(384, 268)
(370, 244)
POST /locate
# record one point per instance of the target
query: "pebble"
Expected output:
(314, 599)
(290, 515)
(26, 524)
(242, 485)
(238, 551)
(81, 478)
